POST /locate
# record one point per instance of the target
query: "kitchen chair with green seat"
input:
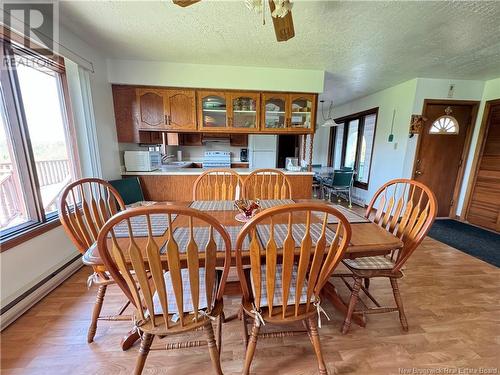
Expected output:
(341, 182)
(130, 189)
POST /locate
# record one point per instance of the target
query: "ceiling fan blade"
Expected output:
(283, 27)
(185, 3)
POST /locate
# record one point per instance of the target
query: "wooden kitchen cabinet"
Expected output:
(302, 108)
(244, 111)
(274, 112)
(288, 113)
(149, 137)
(212, 110)
(151, 107)
(238, 140)
(180, 110)
(124, 102)
(191, 139)
(140, 110)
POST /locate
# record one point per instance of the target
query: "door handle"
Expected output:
(418, 173)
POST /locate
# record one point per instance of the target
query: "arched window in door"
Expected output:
(446, 124)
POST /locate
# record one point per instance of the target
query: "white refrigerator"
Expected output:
(262, 151)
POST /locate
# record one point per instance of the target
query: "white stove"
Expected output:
(217, 159)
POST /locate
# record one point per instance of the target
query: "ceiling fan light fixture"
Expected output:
(282, 7)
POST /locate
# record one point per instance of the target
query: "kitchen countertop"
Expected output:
(198, 171)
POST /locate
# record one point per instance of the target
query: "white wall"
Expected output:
(27, 264)
(158, 73)
(392, 160)
(388, 157)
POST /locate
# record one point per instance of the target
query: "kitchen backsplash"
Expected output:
(189, 153)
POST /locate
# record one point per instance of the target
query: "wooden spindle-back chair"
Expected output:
(407, 209)
(185, 290)
(218, 184)
(267, 184)
(304, 262)
(84, 206)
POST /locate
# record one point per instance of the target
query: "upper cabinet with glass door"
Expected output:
(212, 110)
(274, 112)
(244, 111)
(301, 111)
(284, 113)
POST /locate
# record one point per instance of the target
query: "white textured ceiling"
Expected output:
(363, 46)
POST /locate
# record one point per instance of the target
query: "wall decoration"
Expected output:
(416, 124)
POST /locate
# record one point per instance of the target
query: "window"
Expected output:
(37, 151)
(444, 125)
(351, 144)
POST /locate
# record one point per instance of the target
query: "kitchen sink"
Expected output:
(177, 164)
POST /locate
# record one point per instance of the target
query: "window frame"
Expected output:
(360, 116)
(17, 127)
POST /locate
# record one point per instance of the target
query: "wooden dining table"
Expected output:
(368, 239)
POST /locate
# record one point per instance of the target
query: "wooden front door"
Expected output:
(484, 204)
(442, 149)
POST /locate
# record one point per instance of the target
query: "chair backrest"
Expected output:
(342, 178)
(407, 209)
(84, 206)
(129, 189)
(309, 253)
(267, 184)
(186, 245)
(218, 184)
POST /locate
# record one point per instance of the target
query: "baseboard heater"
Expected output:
(13, 310)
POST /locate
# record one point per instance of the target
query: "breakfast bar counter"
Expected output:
(176, 184)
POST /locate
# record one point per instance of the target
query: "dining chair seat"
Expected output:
(379, 262)
(278, 291)
(186, 293)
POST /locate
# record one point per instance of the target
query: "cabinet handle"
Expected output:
(166, 119)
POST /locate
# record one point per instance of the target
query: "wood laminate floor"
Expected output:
(452, 302)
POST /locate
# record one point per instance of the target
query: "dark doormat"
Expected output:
(472, 240)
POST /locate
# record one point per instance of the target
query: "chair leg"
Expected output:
(399, 304)
(252, 343)
(212, 348)
(220, 321)
(350, 201)
(367, 282)
(96, 313)
(244, 323)
(352, 305)
(312, 330)
(147, 340)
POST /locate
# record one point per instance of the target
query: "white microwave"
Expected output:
(142, 161)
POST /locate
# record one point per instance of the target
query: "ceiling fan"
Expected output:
(281, 13)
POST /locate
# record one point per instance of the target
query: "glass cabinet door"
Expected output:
(275, 112)
(214, 112)
(301, 112)
(244, 111)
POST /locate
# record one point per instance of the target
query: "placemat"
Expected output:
(159, 224)
(213, 205)
(201, 234)
(351, 216)
(268, 203)
(298, 231)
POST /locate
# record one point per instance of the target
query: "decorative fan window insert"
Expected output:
(446, 124)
